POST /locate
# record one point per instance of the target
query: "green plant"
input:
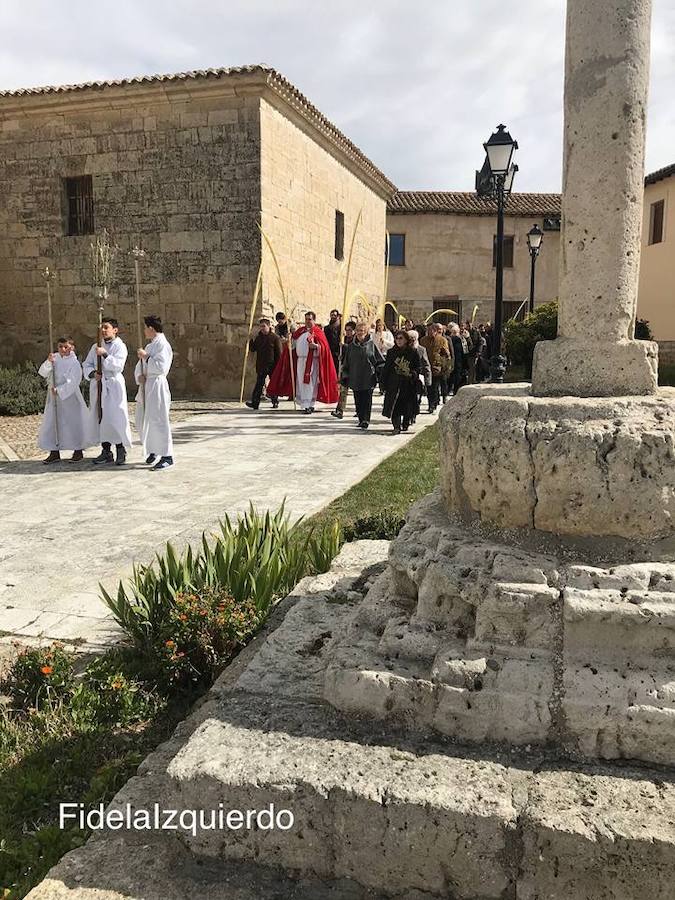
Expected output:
(257, 558)
(520, 337)
(642, 330)
(203, 632)
(22, 391)
(40, 677)
(106, 695)
(384, 525)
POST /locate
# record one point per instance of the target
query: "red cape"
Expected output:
(281, 385)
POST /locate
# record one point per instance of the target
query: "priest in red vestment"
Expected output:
(315, 376)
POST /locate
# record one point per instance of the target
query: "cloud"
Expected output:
(418, 86)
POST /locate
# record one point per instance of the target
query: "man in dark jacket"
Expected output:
(332, 332)
(267, 347)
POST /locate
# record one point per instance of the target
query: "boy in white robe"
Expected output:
(64, 426)
(113, 427)
(153, 400)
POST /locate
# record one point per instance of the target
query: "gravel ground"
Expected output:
(19, 433)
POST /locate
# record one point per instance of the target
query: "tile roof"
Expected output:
(660, 174)
(467, 203)
(280, 85)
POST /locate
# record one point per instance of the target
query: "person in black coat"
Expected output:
(399, 381)
(332, 332)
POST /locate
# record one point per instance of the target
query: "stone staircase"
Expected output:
(381, 808)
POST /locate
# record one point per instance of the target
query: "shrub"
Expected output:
(382, 526)
(109, 696)
(520, 337)
(22, 391)
(642, 330)
(40, 677)
(203, 632)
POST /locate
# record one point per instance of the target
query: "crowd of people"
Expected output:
(310, 363)
(314, 363)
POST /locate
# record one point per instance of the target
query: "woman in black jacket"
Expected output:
(399, 382)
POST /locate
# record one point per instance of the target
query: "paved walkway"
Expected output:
(66, 528)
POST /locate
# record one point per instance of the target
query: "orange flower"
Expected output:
(183, 617)
(170, 644)
(46, 670)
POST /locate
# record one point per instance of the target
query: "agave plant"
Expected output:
(260, 557)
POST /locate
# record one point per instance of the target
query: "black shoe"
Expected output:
(54, 456)
(337, 413)
(121, 455)
(164, 463)
(77, 456)
(311, 409)
(397, 430)
(364, 425)
(151, 459)
(275, 404)
(307, 411)
(105, 456)
(404, 428)
(251, 405)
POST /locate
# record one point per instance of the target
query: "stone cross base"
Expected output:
(595, 469)
(481, 640)
(590, 368)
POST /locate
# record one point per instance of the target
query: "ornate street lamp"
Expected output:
(534, 238)
(495, 181)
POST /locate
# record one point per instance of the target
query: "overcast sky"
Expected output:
(418, 85)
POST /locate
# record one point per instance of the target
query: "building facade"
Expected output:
(442, 252)
(656, 295)
(189, 167)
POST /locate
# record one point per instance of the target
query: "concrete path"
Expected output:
(68, 527)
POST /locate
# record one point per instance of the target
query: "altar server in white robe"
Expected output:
(153, 400)
(114, 425)
(64, 426)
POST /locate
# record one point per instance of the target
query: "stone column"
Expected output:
(606, 86)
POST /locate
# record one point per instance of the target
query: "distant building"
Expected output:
(656, 297)
(186, 165)
(442, 252)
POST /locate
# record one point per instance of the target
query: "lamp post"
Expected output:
(495, 182)
(534, 238)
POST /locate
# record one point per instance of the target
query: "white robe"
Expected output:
(152, 416)
(64, 426)
(305, 394)
(114, 426)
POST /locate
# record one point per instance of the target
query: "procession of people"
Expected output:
(308, 364)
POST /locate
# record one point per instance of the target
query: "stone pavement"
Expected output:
(67, 528)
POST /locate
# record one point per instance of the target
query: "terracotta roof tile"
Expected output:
(660, 174)
(467, 203)
(275, 81)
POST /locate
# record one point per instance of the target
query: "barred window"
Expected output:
(339, 234)
(79, 196)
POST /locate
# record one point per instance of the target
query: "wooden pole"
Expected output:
(349, 265)
(138, 255)
(48, 276)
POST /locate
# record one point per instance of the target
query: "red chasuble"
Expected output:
(281, 385)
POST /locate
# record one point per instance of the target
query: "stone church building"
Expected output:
(187, 166)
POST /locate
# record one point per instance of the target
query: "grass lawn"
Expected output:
(391, 487)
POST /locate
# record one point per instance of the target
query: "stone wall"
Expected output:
(302, 186)
(178, 174)
(448, 255)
